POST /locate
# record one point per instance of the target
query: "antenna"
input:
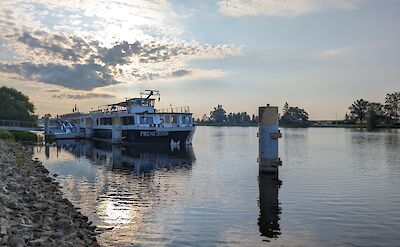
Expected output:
(149, 93)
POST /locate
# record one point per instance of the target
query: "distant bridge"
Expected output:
(20, 125)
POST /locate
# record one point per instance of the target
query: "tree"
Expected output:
(392, 105)
(375, 114)
(295, 116)
(204, 118)
(285, 108)
(358, 109)
(347, 119)
(218, 115)
(15, 106)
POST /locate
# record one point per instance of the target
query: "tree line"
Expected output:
(362, 113)
(218, 116)
(292, 116)
(375, 113)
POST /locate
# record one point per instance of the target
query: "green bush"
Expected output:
(24, 136)
(6, 135)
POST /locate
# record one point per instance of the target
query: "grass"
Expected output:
(6, 135)
(22, 160)
(23, 136)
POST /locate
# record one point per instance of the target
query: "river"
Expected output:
(336, 187)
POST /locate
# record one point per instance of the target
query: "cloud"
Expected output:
(99, 43)
(334, 52)
(106, 20)
(237, 8)
(49, 46)
(53, 90)
(84, 64)
(180, 72)
(84, 96)
(76, 76)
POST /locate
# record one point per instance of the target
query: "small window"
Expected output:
(146, 120)
(105, 121)
(128, 120)
(185, 119)
(174, 119)
(167, 119)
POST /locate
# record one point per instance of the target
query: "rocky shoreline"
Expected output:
(33, 211)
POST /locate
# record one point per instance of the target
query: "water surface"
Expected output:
(337, 187)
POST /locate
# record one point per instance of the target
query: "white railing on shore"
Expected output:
(182, 109)
(20, 124)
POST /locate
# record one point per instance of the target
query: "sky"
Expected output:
(320, 55)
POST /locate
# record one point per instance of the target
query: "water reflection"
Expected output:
(137, 159)
(270, 210)
(120, 188)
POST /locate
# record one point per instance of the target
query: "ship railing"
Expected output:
(182, 109)
(107, 111)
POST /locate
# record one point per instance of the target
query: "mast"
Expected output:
(151, 92)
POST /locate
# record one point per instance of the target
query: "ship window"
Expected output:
(105, 121)
(146, 120)
(128, 120)
(185, 119)
(97, 121)
(174, 119)
(167, 119)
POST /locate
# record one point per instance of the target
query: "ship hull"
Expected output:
(169, 137)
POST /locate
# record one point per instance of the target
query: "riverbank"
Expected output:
(33, 211)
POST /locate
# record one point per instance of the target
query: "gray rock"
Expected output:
(38, 241)
(32, 209)
(16, 242)
(3, 230)
(57, 235)
(3, 241)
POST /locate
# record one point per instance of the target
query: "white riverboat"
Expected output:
(132, 121)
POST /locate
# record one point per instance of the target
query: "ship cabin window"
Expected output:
(170, 119)
(146, 120)
(142, 102)
(106, 121)
(97, 121)
(166, 119)
(186, 120)
(128, 120)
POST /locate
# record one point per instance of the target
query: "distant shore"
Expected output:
(352, 126)
(33, 211)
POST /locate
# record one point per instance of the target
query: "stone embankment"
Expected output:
(33, 211)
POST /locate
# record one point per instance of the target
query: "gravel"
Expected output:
(33, 211)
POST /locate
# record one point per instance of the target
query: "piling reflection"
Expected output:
(270, 210)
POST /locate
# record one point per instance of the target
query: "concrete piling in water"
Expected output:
(268, 135)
